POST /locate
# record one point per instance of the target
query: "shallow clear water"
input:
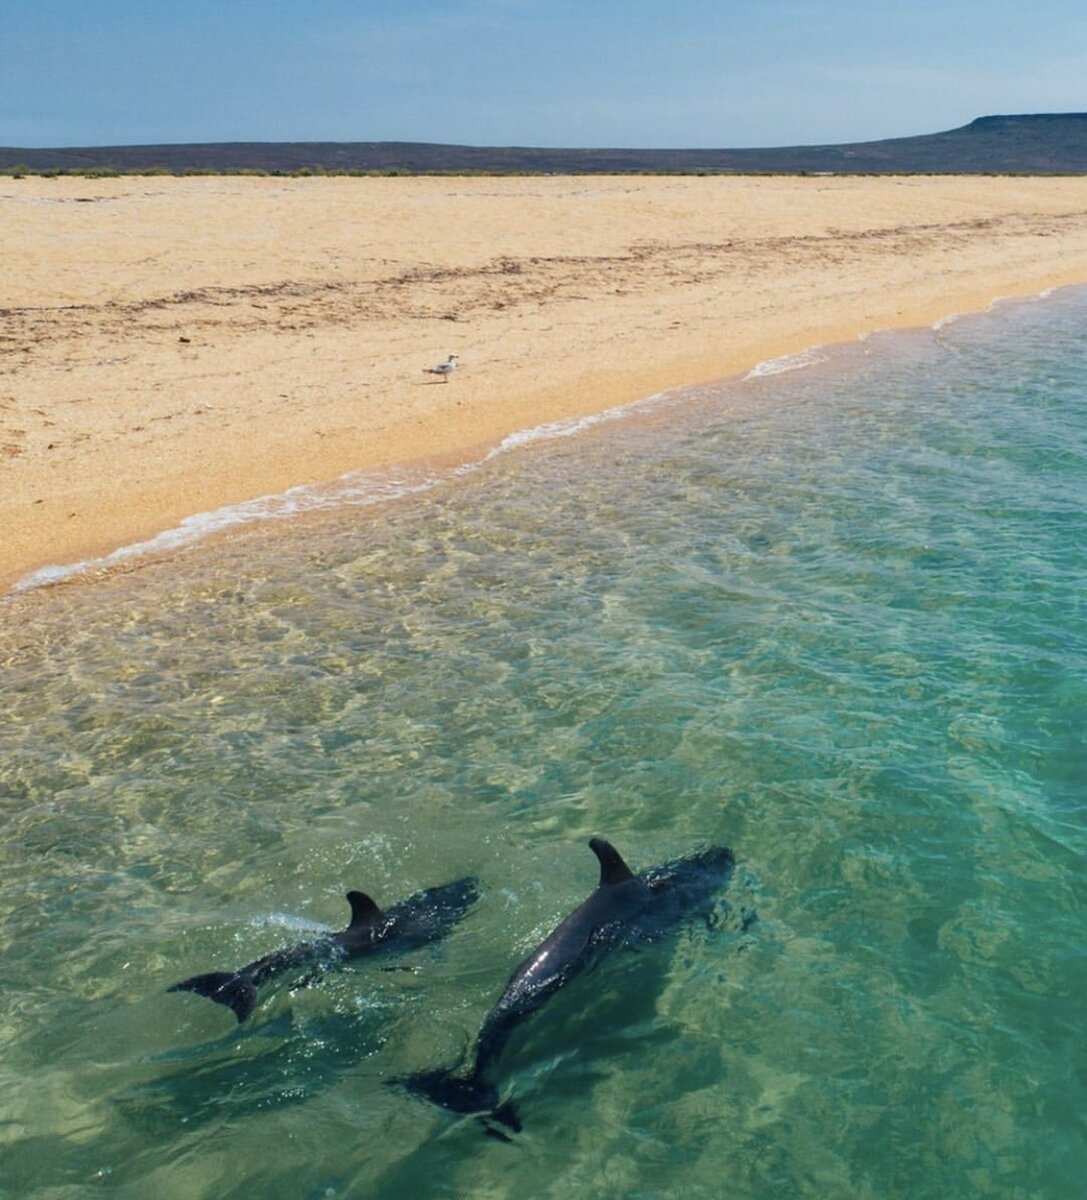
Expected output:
(833, 618)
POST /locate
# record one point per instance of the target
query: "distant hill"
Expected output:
(1039, 143)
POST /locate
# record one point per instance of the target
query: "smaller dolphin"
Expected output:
(423, 917)
(624, 909)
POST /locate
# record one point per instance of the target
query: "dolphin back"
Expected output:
(431, 914)
(235, 990)
(684, 889)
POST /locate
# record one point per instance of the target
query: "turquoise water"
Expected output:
(833, 618)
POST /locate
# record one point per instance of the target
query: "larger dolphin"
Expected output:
(423, 917)
(624, 908)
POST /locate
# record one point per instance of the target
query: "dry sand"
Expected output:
(168, 346)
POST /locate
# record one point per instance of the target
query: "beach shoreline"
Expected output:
(169, 347)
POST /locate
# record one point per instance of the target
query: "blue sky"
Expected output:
(529, 72)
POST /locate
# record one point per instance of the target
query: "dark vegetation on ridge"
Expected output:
(1034, 144)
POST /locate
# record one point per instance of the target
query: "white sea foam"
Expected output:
(362, 489)
(568, 427)
(950, 319)
(354, 489)
(282, 920)
(995, 303)
(787, 362)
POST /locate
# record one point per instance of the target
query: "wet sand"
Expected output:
(169, 346)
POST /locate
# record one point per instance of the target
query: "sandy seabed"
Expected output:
(170, 346)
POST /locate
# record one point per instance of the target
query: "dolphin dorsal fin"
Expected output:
(364, 912)
(612, 867)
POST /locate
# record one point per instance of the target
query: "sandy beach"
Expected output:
(169, 346)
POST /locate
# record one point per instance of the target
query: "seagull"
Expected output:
(444, 369)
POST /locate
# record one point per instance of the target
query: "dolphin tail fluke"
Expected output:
(463, 1095)
(236, 991)
(506, 1115)
(458, 1094)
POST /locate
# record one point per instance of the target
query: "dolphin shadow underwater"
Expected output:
(425, 916)
(264, 1066)
(624, 909)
